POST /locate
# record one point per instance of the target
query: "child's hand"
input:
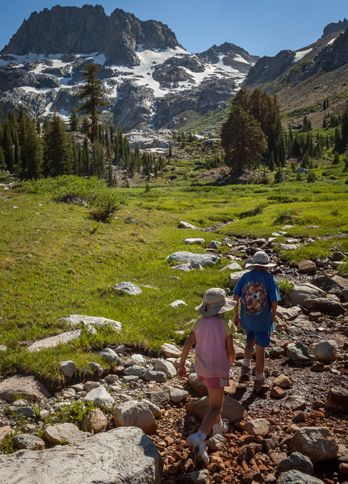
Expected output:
(236, 320)
(232, 358)
(182, 371)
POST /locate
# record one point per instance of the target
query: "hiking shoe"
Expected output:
(245, 374)
(220, 428)
(198, 446)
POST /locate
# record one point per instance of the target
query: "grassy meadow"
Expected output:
(55, 260)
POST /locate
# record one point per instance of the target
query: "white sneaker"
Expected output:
(220, 428)
(197, 444)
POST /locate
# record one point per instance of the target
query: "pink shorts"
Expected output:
(214, 382)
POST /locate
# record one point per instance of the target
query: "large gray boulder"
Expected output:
(91, 321)
(53, 341)
(194, 259)
(316, 442)
(296, 461)
(297, 477)
(301, 292)
(324, 305)
(135, 414)
(26, 387)
(118, 456)
(325, 351)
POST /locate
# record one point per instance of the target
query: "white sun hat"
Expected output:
(215, 302)
(260, 259)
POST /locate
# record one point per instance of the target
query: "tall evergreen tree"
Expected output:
(58, 149)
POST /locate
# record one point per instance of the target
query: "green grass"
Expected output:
(56, 261)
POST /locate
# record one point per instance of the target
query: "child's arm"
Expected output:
(184, 354)
(236, 319)
(230, 349)
(274, 309)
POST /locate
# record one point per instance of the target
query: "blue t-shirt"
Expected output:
(257, 290)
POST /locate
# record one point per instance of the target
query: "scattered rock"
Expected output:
(153, 375)
(233, 410)
(62, 434)
(277, 392)
(156, 411)
(296, 461)
(68, 368)
(197, 385)
(135, 414)
(178, 303)
(120, 455)
(325, 351)
(127, 288)
(288, 313)
(178, 395)
(94, 322)
(315, 442)
(110, 355)
(3, 348)
(288, 247)
(100, 397)
(27, 412)
(234, 266)
(298, 353)
(195, 477)
(170, 350)
(295, 402)
(234, 278)
(342, 282)
(214, 244)
(338, 256)
(135, 370)
(306, 267)
(257, 426)
(96, 368)
(27, 387)
(324, 305)
(159, 398)
(197, 240)
(282, 381)
(337, 399)
(186, 225)
(194, 259)
(297, 477)
(28, 441)
(95, 421)
(166, 367)
(54, 341)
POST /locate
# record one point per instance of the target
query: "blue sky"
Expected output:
(262, 27)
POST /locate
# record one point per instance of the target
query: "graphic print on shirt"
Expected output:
(254, 297)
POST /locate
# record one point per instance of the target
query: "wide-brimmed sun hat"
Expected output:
(260, 259)
(215, 302)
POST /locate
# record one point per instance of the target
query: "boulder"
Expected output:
(325, 351)
(257, 426)
(337, 399)
(54, 341)
(316, 442)
(288, 313)
(297, 477)
(288, 247)
(298, 353)
(197, 385)
(157, 376)
(127, 288)
(342, 282)
(301, 292)
(120, 455)
(194, 259)
(234, 278)
(100, 397)
(95, 421)
(156, 411)
(233, 266)
(68, 368)
(295, 402)
(324, 305)
(306, 267)
(135, 414)
(166, 367)
(296, 461)
(26, 387)
(170, 350)
(62, 434)
(135, 370)
(159, 398)
(214, 244)
(28, 441)
(232, 411)
(94, 322)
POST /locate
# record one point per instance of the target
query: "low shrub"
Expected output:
(285, 217)
(254, 211)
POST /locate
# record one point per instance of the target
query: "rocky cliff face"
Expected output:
(148, 78)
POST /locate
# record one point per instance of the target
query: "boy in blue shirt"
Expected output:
(257, 294)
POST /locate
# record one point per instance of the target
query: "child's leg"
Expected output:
(249, 348)
(216, 399)
(260, 362)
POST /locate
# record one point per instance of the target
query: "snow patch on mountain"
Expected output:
(299, 55)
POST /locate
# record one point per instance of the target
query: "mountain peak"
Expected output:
(335, 27)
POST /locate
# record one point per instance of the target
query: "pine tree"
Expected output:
(92, 97)
(73, 121)
(242, 140)
(58, 149)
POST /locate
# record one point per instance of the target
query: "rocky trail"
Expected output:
(294, 433)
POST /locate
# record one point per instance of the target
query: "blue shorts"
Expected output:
(263, 338)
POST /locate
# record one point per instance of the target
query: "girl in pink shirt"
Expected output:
(214, 356)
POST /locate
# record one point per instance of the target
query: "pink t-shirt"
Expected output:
(211, 353)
